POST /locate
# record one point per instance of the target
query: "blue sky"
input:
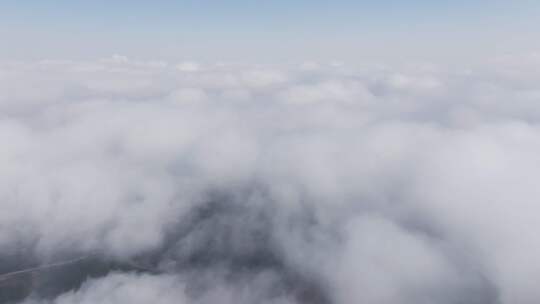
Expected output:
(267, 30)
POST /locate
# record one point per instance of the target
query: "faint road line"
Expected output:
(9, 275)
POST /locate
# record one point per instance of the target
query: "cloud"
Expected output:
(239, 183)
(188, 67)
(125, 288)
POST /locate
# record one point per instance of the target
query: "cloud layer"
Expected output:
(230, 183)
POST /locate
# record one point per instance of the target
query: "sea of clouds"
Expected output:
(236, 183)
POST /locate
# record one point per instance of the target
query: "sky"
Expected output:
(256, 31)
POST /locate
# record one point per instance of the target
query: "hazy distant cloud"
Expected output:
(237, 183)
(188, 66)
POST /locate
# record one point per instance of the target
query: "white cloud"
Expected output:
(329, 91)
(188, 66)
(250, 184)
